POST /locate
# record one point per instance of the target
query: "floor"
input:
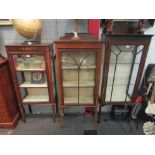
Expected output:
(73, 125)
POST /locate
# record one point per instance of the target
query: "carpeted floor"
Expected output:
(73, 125)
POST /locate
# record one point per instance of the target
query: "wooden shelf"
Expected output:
(81, 84)
(36, 98)
(75, 67)
(74, 100)
(30, 69)
(30, 85)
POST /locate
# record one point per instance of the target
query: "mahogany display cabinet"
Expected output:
(9, 110)
(124, 60)
(78, 65)
(31, 69)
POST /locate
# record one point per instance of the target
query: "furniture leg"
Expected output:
(95, 117)
(22, 113)
(99, 114)
(53, 114)
(30, 109)
(61, 117)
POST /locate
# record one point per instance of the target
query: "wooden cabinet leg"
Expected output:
(53, 114)
(61, 117)
(99, 114)
(95, 117)
(22, 113)
(30, 109)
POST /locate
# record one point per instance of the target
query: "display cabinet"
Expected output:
(124, 60)
(9, 110)
(31, 69)
(78, 67)
(126, 26)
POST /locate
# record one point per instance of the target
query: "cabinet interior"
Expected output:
(78, 74)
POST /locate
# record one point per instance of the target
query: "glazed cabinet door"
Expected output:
(78, 76)
(31, 77)
(124, 62)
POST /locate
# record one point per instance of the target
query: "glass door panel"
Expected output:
(32, 79)
(78, 74)
(29, 62)
(86, 95)
(123, 68)
(70, 95)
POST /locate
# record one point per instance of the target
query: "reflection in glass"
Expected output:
(32, 77)
(78, 77)
(123, 68)
(29, 62)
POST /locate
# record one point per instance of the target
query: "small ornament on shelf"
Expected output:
(37, 77)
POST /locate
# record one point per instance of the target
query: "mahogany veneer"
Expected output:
(9, 111)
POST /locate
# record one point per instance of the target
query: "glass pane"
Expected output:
(32, 77)
(24, 62)
(73, 59)
(86, 95)
(122, 72)
(78, 75)
(118, 94)
(34, 95)
(70, 95)
(123, 68)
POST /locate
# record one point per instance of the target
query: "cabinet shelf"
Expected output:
(82, 67)
(30, 85)
(82, 100)
(30, 70)
(81, 84)
(36, 98)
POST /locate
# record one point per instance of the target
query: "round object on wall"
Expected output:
(28, 28)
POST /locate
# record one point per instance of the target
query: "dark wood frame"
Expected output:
(37, 49)
(110, 40)
(119, 27)
(77, 46)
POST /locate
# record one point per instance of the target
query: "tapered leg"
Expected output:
(53, 114)
(22, 111)
(95, 117)
(56, 101)
(99, 114)
(30, 109)
(61, 117)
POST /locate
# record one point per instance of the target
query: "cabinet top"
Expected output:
(32, 45)
(127, 37)
(83, 37)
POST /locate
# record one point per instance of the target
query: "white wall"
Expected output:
(151, 52)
